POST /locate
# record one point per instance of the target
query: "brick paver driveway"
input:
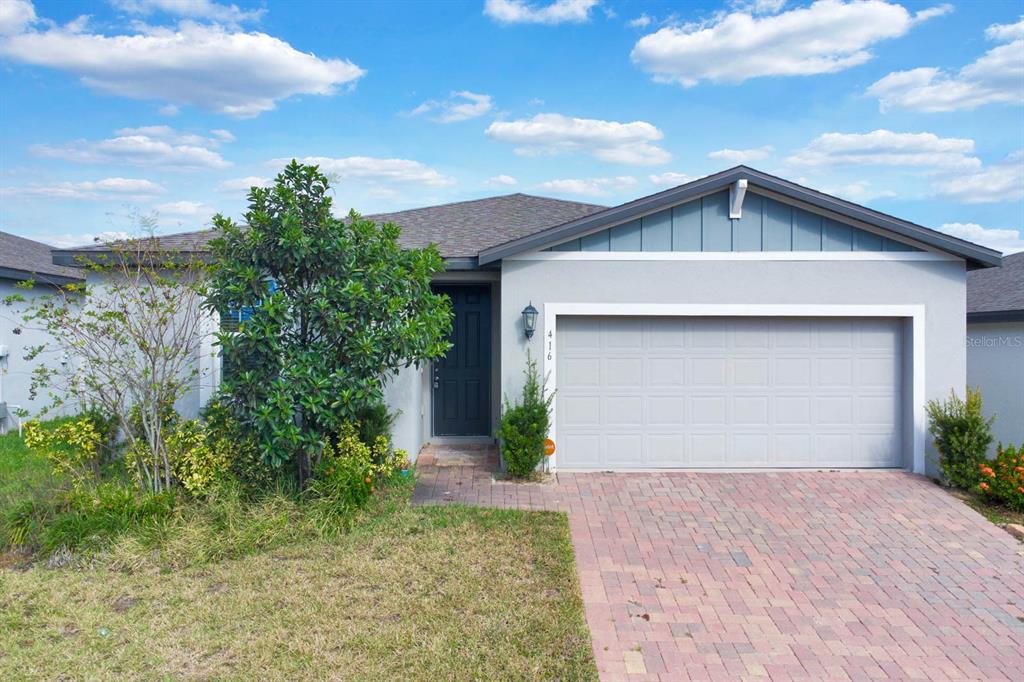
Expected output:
(811, 575)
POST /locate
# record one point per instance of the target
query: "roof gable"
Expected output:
(758, 183)
(704, 224)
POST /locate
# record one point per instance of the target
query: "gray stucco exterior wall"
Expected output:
(404, 395)
(995, 364)
(939, 286)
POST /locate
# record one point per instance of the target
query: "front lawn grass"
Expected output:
(23, 473)
(430, 593)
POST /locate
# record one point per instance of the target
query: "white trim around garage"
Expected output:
(915, 313)
(736, 255)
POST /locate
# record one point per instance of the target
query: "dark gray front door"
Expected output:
(462, 379)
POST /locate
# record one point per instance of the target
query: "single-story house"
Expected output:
(739, 321)
(995, 344)
(23, 260)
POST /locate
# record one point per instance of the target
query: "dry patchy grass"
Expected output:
(449, 593)
(996, 513)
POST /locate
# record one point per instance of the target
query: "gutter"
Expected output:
(38, 277)
(995, 316)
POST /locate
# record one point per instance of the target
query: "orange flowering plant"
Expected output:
(1002, 478)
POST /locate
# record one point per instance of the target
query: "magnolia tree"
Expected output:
(129, 344)
(333, 308)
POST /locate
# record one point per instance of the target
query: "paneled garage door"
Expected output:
(663, 392)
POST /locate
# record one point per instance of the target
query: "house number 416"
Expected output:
(551, 335)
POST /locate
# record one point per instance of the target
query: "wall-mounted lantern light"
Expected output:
(530, 320)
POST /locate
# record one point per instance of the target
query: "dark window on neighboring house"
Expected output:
(229, 322)
(230, 319)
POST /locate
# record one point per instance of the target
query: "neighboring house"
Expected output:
(739, 321)
(23, 260)
(995, 344)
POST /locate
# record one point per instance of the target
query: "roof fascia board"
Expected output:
(847, 211)
(859, 224)
(81, 259)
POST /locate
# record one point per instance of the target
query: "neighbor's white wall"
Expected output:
(202, 385)
(16, 375)
(938, 285)
(995, 363)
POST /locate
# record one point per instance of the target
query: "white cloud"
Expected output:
(184, 209)
(176, 137)
(742, 155)
(642, 21)
(670, 179)
(824, 37)
(461, 105)
(1001, 239)
(1002, 181)
(373, 170)
(588, 187)
(156, 146)
(192, 9)
(887, 148)
(628, 143)
(996, 76)
(64, 240)
(524, 12)
(244, 184)
(15, 15)
(209, 66)
(859, 191)
(758, 6)
(503, 181)
(99, 190)
(1004, 32)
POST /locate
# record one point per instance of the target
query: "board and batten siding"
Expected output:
(704, 225)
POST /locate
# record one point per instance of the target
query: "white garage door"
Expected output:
(638, 393)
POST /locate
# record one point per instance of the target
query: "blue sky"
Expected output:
(172, 108)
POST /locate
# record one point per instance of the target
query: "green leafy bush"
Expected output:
(200, 460)
(246, 466)
(336, 306)
(1002, 479)
(524, 425)
(962, 435)
(350, 471)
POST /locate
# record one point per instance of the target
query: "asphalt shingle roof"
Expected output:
(460, 230)
(31, 258)
(997, 289)
(466, 228)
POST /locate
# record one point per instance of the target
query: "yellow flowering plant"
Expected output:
(72, 447)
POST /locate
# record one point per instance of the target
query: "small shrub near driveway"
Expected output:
(962, 435)
(1002, 479)
(524, 425)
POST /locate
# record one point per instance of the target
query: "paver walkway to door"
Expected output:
(803, 575)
